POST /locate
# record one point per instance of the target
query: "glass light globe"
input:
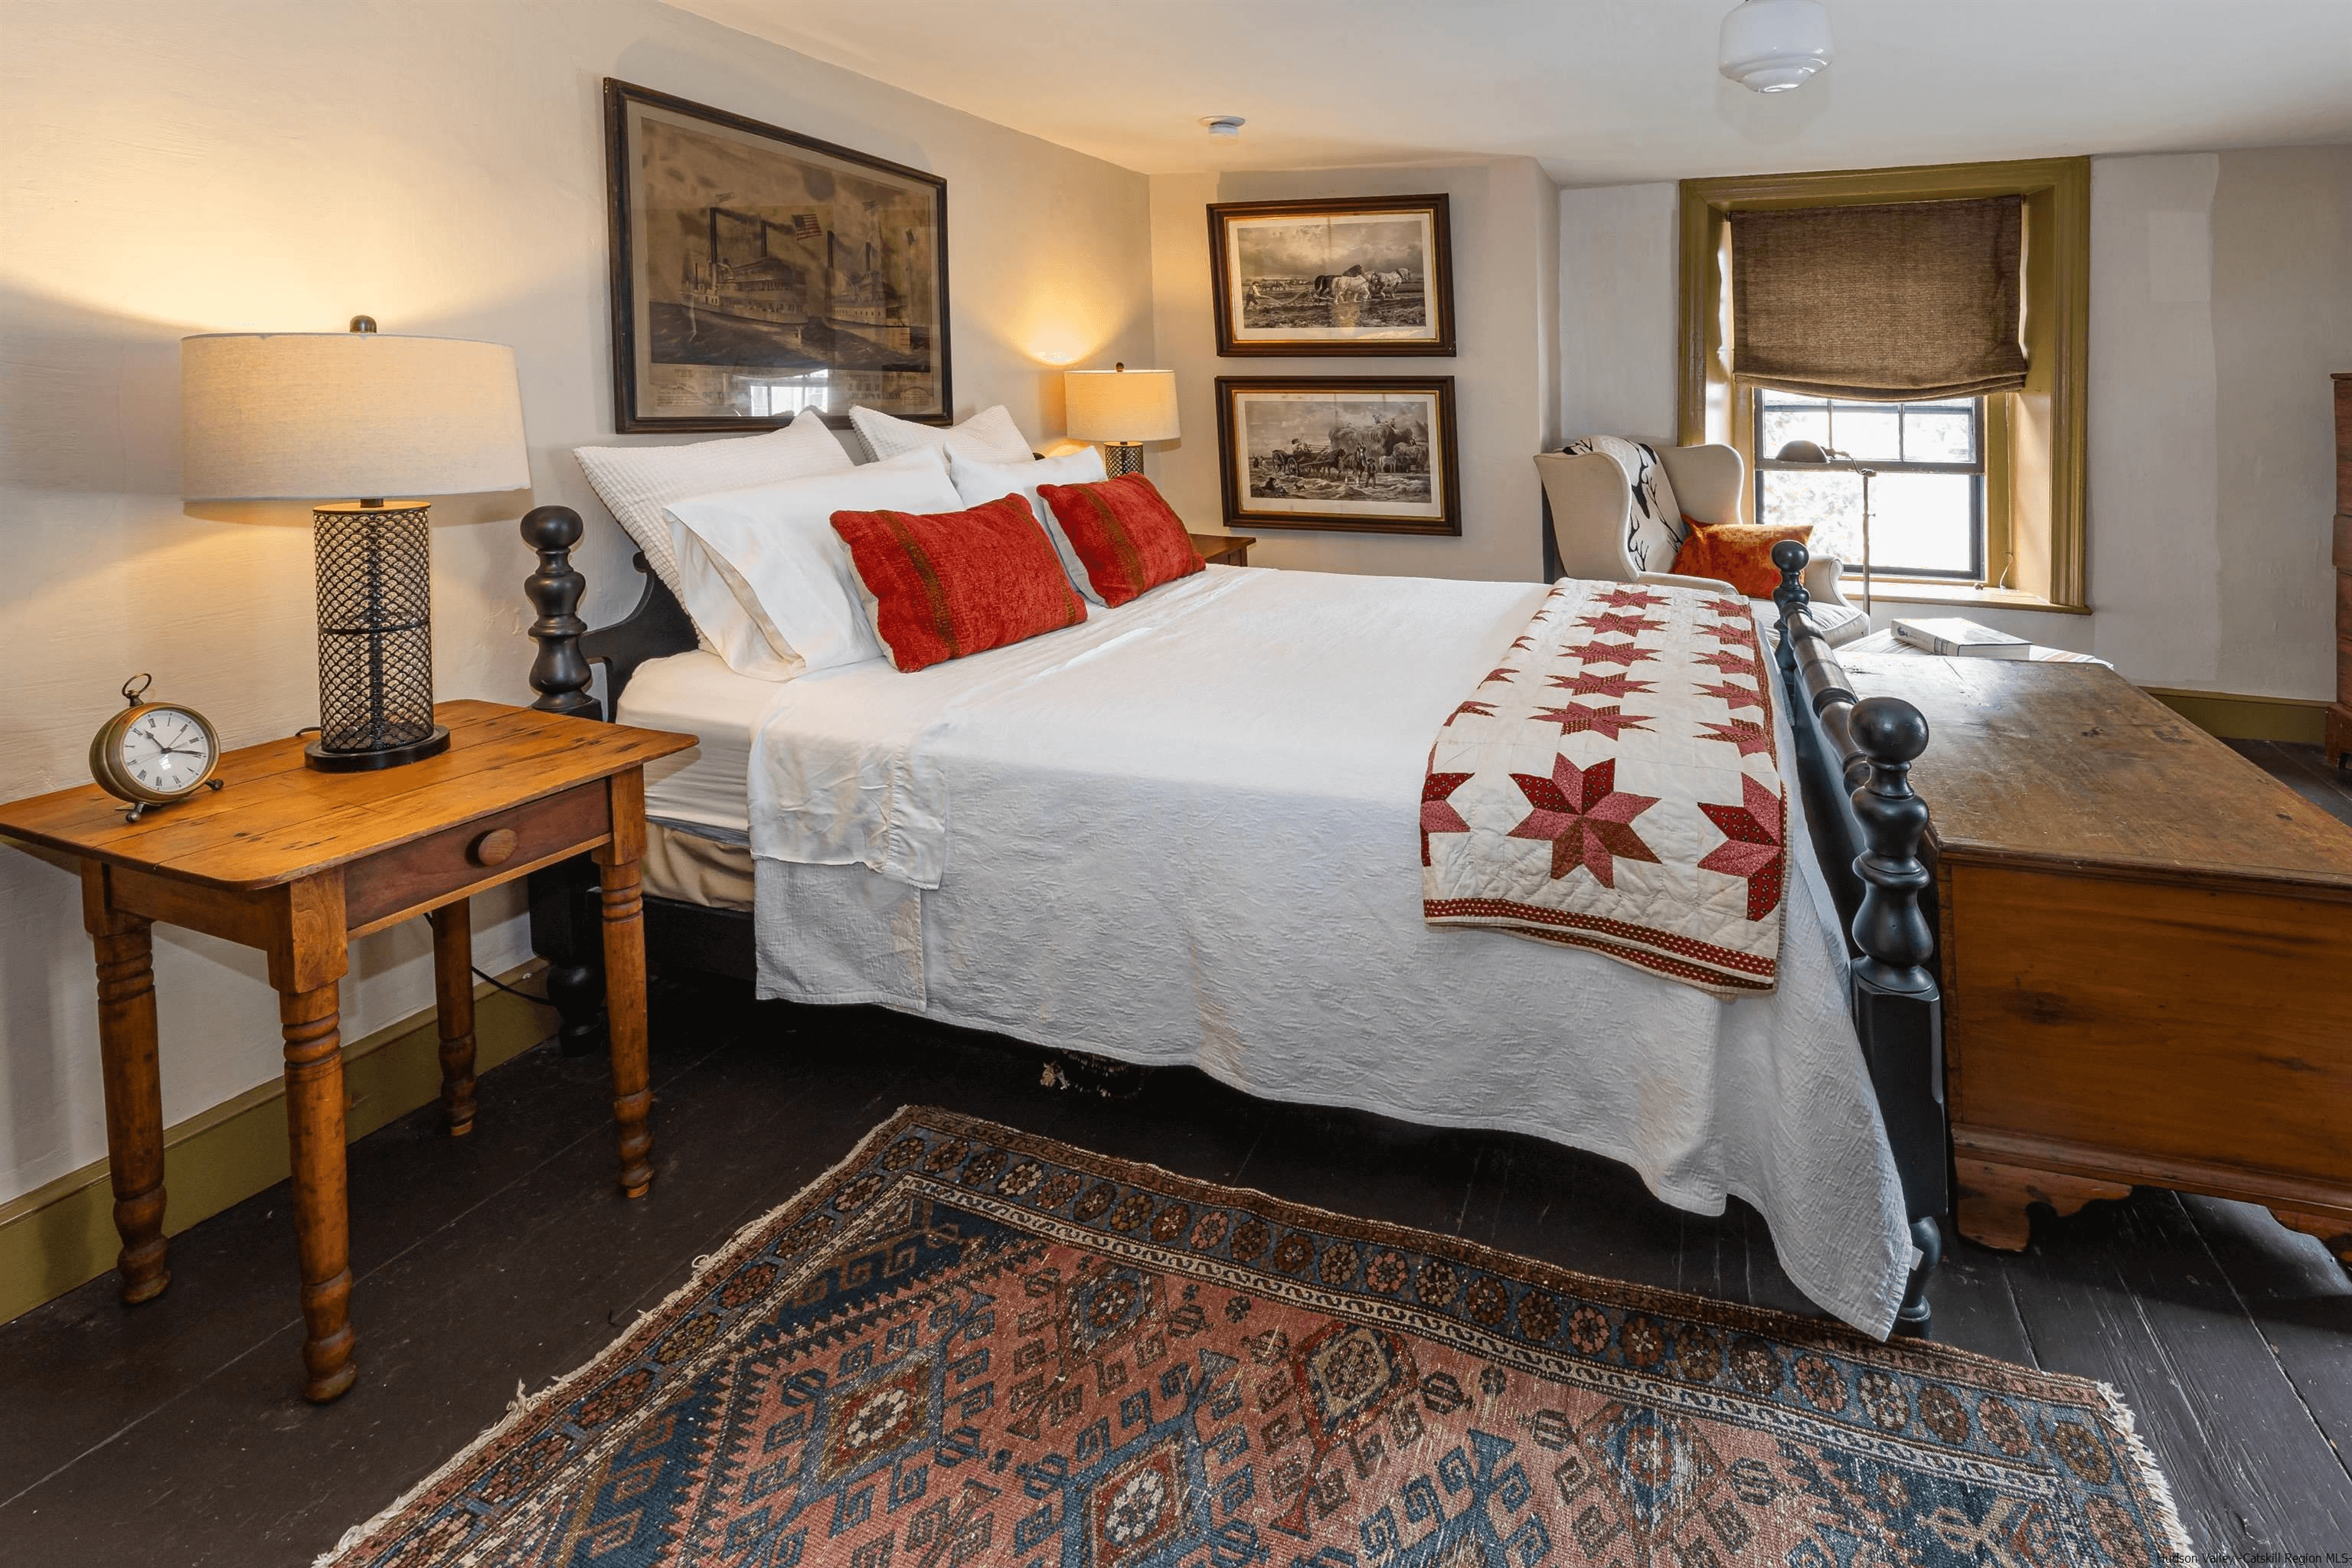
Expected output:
(1774, 46)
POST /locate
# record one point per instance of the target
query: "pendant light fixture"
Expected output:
(1774, 46)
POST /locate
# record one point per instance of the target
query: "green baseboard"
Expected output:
(60, 1235)
(2235, 718)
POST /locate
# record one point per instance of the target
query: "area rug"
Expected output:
(967, 1344)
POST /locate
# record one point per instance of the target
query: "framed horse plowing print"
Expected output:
(1369, 454)
(1371, 275)
(758, 273)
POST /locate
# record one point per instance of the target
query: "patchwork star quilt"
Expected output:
(1615, 784)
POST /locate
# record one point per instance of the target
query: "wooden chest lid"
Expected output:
(2071, 764)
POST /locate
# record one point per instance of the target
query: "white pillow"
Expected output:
(636, 482)
(988, 436)
(977, 484)
(769, 582)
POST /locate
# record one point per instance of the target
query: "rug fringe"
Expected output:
(525, 1405)
(2159, 1487)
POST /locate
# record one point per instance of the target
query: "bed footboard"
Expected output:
(1854, 761)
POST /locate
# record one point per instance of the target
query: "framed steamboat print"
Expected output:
(758, 274)
(1374, 454)
(1345, 276)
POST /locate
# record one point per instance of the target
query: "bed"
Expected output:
(1170, 836)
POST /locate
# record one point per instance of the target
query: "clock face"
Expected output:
(166, 751)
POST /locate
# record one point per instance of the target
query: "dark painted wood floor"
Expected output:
(172, 1434)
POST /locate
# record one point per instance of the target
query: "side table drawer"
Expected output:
(486, 850)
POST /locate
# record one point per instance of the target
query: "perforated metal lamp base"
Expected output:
(375, 637)
(1122, 457)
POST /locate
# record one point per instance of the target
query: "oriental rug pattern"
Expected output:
(970, 1345)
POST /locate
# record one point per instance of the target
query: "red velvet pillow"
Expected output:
(942, 584)
(1739, 553)
(1127, 538)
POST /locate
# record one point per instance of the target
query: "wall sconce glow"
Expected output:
(1774, 46)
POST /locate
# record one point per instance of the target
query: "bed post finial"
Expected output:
(1791, 558)
(560, 673)
(1895, 993)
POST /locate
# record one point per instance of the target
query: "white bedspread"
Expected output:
(1185, 832)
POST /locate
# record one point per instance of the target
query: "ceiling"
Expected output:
(1600, 91)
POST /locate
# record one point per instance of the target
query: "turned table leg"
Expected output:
(134, 1096)
(619, 891)
(314, 1126)
(453, 985)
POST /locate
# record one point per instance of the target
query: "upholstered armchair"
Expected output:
(1617, 509)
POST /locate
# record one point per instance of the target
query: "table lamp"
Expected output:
(1121, 408)
(1814, 453)
(311, 416)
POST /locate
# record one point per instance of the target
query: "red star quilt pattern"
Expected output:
(1619, 789)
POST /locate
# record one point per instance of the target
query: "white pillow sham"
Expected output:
(977, 484)
(988, 436)
(767, 580)
(636, 482)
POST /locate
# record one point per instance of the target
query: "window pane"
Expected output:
(1922, 522)
(1782, 426)
(1829, 499)
(1938, 433)
(1867, 432)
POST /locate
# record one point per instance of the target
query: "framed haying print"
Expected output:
(1369, 275)
(1373, 453)
(758, 274)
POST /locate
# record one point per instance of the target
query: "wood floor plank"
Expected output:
(2300, 1299)
(2125, 1293)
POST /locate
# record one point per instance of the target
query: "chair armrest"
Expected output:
(1673, 580)
(1822, 575)
(1706, 480)
(1591, 510)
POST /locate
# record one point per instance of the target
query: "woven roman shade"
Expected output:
(1883, 303)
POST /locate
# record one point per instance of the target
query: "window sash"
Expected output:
(1764, 401)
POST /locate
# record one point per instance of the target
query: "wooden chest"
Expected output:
(2146, 951)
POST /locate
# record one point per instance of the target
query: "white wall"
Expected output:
(2219, 306)
(284, 164)
(1506, 281)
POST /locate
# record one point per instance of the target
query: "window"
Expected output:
(2027, 465)
(1927, 492)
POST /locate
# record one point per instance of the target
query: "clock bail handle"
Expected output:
(135, 688)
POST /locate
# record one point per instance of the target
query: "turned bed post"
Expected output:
(1868, 746)
(566, 921)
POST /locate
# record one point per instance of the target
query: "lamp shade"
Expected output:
(1121, 406)
(313, 416)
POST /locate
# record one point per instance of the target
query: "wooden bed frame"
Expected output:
(1853, 759)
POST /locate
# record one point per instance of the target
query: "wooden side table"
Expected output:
(297, 863)
(1223, 549)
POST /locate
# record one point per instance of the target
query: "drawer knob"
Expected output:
(492, 848)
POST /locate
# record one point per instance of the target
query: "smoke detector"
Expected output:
(1228, 125)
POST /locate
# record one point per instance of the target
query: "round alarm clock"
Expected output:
(153, 754)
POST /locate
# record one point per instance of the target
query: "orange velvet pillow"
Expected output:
(1739, 553)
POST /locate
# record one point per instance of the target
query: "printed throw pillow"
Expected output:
(978, 483)
(1129, 538)
(1739, 553)
(988, 436)
(1653, 533)
(636, 482)
(944, 585)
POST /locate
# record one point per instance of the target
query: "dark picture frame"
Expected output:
(1276, 270)
(758, 273)
(1339, 453)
